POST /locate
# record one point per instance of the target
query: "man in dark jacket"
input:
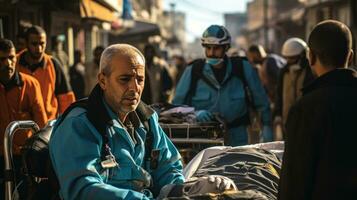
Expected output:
(319, 160)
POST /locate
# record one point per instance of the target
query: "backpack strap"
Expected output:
(238, 71)
(196, 74)
(144, 113)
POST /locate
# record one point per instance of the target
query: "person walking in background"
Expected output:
(320, 147)
(158, 84)
(92, 69)
(268, 66)
(295, 75)
(56, 91)
(59, 54)
(77, 75)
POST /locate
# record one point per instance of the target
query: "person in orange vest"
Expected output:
(20, 99)
(56, 91)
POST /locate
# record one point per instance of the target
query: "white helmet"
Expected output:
(216, 35)
(293, 47)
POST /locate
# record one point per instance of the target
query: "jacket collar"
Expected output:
(337, 77)
(33, 67)
(16, 81)
(98, 113)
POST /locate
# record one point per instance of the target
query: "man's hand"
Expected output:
(204, 116)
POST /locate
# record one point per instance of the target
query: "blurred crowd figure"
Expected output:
(92, 69)
(158, 83)
(77, 75)
(268, 66)
(59, 53)
(295, 75)
(179, 64)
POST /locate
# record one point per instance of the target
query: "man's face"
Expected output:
(7, 64)
(291, 59)
(124, 85)
(215, 51)
(36, 45)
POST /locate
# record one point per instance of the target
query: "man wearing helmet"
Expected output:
(292, 78)
(221, 85)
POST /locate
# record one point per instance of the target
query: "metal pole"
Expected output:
(265, 15)
(9, 133)
(1, 29)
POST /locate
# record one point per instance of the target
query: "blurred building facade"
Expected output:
(235, 23)
(173, 32)
(83, 24)
(271, 22)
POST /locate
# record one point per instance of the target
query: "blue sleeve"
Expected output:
(75, 156)
(183, 86)
(169, 169)
(260, 98)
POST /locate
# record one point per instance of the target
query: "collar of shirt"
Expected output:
(132, 117)
(15, 81)
(32, 67)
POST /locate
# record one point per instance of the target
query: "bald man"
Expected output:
(114, 146)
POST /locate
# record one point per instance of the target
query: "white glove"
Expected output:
(222, 183)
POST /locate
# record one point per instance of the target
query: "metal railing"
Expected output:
(8, 136)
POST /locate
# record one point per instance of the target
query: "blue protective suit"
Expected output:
(75, 150)
(228, 99)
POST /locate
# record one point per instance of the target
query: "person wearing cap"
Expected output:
(295, 75)
(219, 90)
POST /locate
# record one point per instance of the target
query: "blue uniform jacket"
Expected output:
(75, 150)
(228, 98)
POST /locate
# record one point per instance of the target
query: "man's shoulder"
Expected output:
(28, 79)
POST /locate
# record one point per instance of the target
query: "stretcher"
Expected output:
(255, 168)
(192, 138)
(9, 168)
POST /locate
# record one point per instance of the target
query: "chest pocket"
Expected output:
(236, 102)
(201, 100)
(236, 95)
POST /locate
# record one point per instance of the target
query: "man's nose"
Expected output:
(133, 85)
(209, 52)
(38, 48)
(7, 62)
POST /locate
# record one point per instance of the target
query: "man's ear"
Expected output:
(102, 80)
(312, 58)
(350, 58)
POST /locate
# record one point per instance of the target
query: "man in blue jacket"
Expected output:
(116, 165)
(218, 90)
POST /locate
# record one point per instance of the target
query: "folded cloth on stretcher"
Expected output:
(174, 114)
(252, 167)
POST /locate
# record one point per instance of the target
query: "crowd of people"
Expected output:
(114, 147)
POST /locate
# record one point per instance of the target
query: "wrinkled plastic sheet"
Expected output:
(275, 147)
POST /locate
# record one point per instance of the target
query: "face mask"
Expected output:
(214, 61)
